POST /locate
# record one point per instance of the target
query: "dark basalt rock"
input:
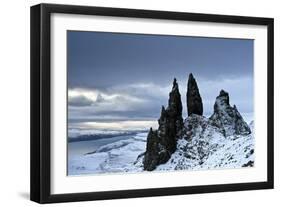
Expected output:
(193, 98)
(174, 111)
(228, 118)
(249, 164)
(151, 158)
(162, 143)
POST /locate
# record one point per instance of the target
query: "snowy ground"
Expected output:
(233, 152)
(99, 157)
(208, 148)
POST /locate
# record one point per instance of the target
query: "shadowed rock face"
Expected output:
(162, 143)
(193, 98)
(151, 158)
(228, 118)
(174, 111)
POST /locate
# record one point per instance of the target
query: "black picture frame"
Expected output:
(41, 96)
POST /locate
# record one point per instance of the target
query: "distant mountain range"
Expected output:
(90, 137)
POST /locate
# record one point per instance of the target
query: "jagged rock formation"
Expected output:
(227, 118)
(193, 98)
(162, 143)
(223, 140)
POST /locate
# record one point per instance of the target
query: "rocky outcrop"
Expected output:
(228, 118)
(193, 98)
(151, 158)
(162, 143)
(198, 141)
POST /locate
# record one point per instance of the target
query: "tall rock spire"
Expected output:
(162, 143)
(193, 98)
(174, 108)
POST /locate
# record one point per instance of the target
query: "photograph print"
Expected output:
(158, 103)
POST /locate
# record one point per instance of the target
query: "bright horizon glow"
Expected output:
(121, 125)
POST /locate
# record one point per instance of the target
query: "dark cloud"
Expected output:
(79, 101)
(102, 60)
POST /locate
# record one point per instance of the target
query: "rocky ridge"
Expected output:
(228, 118)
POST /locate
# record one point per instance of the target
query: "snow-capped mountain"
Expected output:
(99, 134)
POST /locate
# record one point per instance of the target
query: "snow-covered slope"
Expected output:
(202, 147)
(205, 147)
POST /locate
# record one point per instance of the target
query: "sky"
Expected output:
(120, 80)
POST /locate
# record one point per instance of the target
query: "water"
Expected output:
(83, 147)
(116, 154)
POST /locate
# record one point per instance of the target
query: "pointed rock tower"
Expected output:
(193, 98)
(228, 118)
(174, 110)
(162, 143)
